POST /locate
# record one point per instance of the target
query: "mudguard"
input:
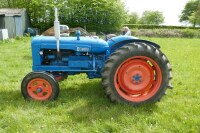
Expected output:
(120, 41)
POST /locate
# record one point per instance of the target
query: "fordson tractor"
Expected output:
(133, 71)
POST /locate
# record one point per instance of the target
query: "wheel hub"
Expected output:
(137, 79)
(39, 90)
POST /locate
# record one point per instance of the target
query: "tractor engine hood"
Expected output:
(85, 44)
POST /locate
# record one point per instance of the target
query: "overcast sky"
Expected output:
(171, 8)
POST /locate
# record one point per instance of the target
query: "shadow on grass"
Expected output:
(91, 103)
(83, 103)
(27, 57)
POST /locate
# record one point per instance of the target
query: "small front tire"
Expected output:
(39, 86)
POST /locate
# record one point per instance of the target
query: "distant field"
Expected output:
(82, 105)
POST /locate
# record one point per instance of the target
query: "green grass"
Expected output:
(82, 105)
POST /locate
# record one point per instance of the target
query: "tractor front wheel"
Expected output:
(136, 74)
(39, 86)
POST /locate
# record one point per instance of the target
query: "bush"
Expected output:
(186, 33)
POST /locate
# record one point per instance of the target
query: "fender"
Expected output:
(122, 43)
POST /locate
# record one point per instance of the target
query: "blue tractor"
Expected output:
(133, 71)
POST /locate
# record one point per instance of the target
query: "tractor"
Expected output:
(133, 71)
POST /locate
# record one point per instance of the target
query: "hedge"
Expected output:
(181, 33)
(145, 26)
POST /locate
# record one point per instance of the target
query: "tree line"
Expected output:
(95, 15)
(148, 17)
(100, 15)
(190, 14)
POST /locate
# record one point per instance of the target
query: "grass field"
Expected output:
(82, 105)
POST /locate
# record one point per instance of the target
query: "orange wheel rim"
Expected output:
(39, 89)
(138, 78)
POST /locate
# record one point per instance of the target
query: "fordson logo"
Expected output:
(83, 49)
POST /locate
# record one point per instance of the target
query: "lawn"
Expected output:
(82, 105)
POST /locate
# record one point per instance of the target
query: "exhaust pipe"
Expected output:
(57, 30)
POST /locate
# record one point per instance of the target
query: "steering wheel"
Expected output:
(107, 37)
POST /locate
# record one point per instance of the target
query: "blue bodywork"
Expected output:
(77, 54)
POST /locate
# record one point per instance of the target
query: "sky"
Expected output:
(171, 8)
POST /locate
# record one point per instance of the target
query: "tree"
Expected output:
(152, 17)
(133, 18)
(198, 15)
(100, 15)
(191, 13)
(97, 15)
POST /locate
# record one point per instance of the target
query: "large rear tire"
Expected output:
(136, 74)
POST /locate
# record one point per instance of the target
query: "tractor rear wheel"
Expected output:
(136, 74)
(39, 86)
